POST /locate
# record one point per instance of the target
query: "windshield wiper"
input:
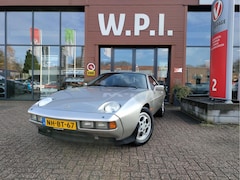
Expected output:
(127, 86)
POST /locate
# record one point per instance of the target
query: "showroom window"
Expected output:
(198, 50)
(43, 52)
(2, 28)
(2, 54)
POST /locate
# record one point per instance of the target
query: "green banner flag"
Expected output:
(70, 36)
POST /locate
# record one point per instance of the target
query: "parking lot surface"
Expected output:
(180, 148)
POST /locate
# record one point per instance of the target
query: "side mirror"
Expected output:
(159, 88)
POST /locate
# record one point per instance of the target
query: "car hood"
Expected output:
(89, 99)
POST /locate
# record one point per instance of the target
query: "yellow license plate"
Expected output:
(60, 124)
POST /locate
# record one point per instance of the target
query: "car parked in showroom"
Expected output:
(235, 90)
(2, 86)
(117, 106)
(2, 90)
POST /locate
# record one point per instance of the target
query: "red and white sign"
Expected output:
(91, 66)
(217, 10)
(36, 39)
(178, 70)
(221, 49)
(218, 65)
(35, 35)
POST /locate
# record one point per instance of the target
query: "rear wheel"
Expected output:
(144, 128)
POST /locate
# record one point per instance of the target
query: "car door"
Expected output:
(157, 96)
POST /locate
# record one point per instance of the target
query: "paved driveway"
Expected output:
(180, 148)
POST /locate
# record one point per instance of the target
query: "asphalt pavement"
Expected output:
(180, 148)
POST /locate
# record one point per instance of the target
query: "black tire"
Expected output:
(161, 111)
(144, 128)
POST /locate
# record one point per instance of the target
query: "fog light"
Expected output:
(87, 124)
(34, 117)
(101, 125)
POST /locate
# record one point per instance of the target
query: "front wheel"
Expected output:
(144, 128)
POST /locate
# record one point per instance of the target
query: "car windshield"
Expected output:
(121, 80)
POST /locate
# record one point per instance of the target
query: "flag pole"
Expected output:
(74, 53)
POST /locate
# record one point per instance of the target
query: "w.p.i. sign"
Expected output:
(221, 49)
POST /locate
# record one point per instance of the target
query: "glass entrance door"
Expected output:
(153, 60)
(145, 61)
(123, 59)
(162, 65)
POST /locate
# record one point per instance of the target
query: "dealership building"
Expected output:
(46, 46)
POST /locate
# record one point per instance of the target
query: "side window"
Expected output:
(152, 82)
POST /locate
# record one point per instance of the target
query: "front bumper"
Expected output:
(123, 131)
(76, 136)
(116, 136)
(116, 133)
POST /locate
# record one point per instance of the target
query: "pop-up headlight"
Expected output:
(45, 101)
(109, 107)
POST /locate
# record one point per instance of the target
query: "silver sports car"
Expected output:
(117, 106)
